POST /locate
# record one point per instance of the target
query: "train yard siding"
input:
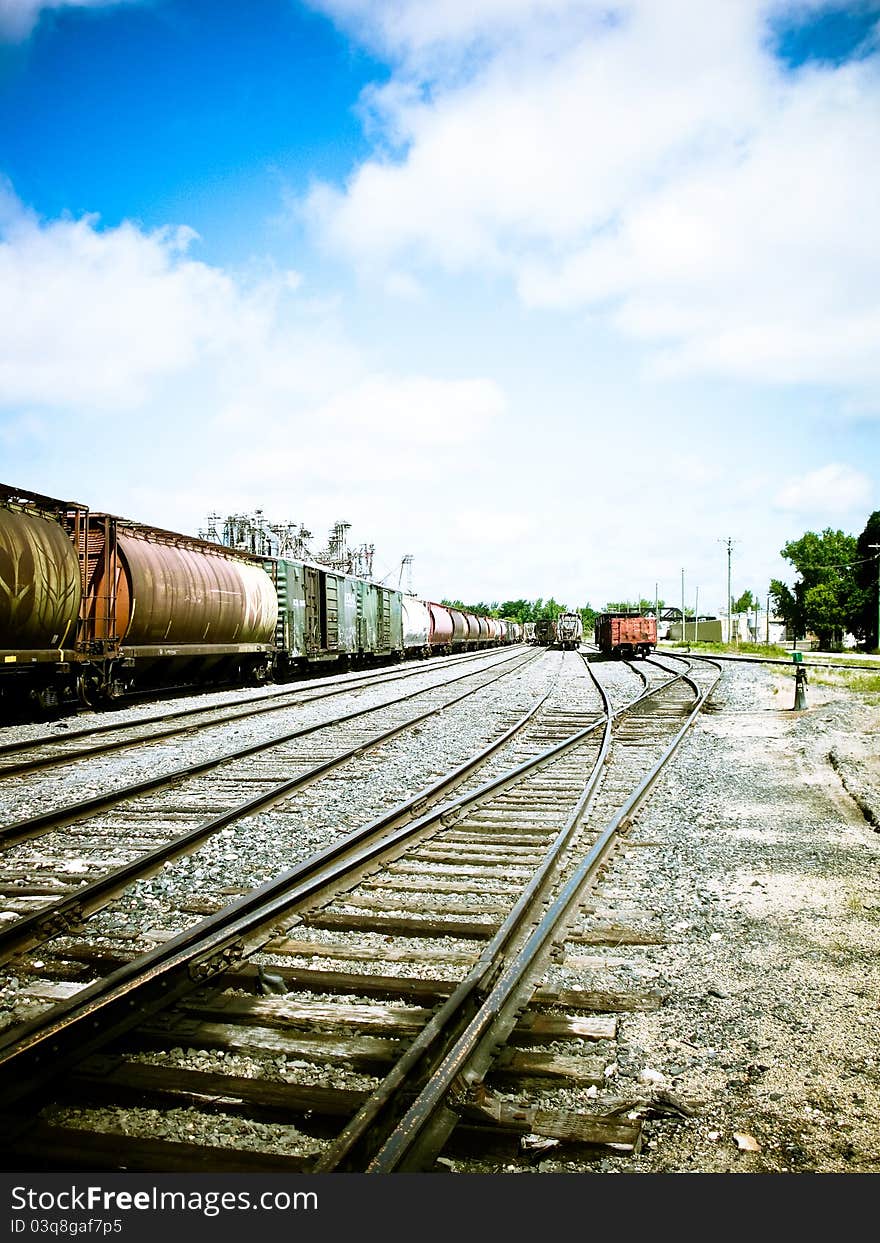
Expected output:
(754, 867)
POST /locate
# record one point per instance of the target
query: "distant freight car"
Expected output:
(545, 632)
(569, 631)
(626, 634)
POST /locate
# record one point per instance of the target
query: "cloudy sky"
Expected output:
(555, 296)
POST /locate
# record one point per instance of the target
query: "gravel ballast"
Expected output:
(756, 860)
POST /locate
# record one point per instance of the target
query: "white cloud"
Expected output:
(653, 162)
(834, 489)
(182, 379)
(95, 315)
(19, 17)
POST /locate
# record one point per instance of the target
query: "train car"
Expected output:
(626, 634)
(569, 631)
(545, 632)
(473, 622)
(92, 605)
(162, 608)
(442, 629)
(528, 632)
(41, 592)
(460, 630)
(416, 627)
(326, 617)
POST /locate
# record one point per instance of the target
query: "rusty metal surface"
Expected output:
(441, 625)
(613, 631)
(167, 594)
(39, 583)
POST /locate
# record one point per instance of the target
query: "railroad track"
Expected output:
(92, 849)
(395, 977)
(86, 742)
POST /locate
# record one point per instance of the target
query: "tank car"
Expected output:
(569, 631)
(41, 592)
(94, 605)
(416, 627)
(162, 608)
(626, 634)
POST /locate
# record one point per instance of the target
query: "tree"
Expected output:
(826, 595)
(588, 617)
(745, 604)
(867, 603)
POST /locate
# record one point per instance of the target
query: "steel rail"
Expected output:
(33, 1054)
(463, 1002)
(68, 912)
(224, 713)
(431, 1118)
(33, 826)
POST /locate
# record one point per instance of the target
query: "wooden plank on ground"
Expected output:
(616, 934)
(407, 986)
(358, 951)
(358, 1052)
(564, 1125)
(406, 924)
(113, 1079)
(73, 1148)
(523, 1064)
(396, 1021)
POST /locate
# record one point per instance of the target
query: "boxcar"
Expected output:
(328, 617)
(626, 634)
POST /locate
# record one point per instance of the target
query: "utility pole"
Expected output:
(696, 613)
(728, 544)
(682, 607)
(768, 618)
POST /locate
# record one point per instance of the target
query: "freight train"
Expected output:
(94, 607)
(626, 634)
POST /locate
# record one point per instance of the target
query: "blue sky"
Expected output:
(553, 295)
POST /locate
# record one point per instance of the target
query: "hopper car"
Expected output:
(94, 607)
(569, 631)
(545, 632)
(626, 634)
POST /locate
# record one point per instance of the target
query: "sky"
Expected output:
(555, 297)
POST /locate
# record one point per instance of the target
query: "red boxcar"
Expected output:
(626, 634)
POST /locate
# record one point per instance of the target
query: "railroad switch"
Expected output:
(800, 682)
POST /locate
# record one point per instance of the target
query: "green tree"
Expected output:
(588, 617)
(518, 610)
(867, 572)
(825, 596)
(745, 604)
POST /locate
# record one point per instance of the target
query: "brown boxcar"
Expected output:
(626, 634)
